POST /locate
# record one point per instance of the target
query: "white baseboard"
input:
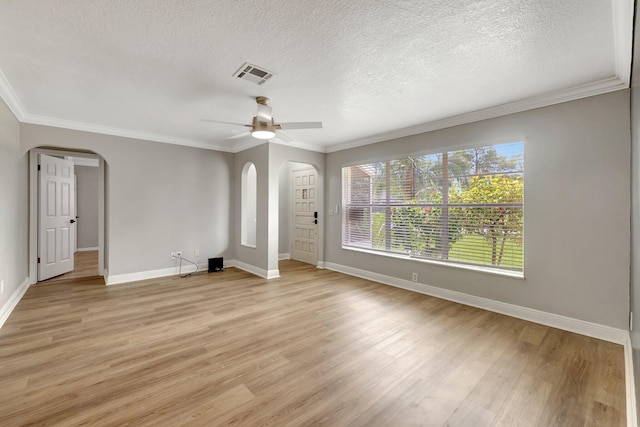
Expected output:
(17, 295)
(152, 274)
(261, 272)
(87, 249)
(630, 385)
(284, 256)
(594, 330)
(321, 265)
(186, 268)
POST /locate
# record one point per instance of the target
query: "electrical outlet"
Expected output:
(415, 277)
(196, 253)
(178, 253)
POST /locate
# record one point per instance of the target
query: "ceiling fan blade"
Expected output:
(240, 135)
(264, 113)
(285, 137)
(300, 125)
(278, 140)
(225, 123)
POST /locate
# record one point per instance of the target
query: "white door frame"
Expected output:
(33, 207)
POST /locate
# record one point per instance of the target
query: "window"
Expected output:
(248, 205)
(463, 207)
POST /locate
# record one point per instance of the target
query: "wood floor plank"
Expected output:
(85, 264)
(313, 347)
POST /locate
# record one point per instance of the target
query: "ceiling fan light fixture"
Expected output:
(263, 130)
(263, 134)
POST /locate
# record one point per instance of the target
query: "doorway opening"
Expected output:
(78, 238)
(299, 201)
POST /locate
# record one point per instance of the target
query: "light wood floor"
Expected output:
(85, 264)
(312, 348)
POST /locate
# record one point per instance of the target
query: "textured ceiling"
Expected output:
(369, 70)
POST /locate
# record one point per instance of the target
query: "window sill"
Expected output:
(479, 269)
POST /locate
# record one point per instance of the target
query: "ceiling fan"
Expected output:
(263, 125)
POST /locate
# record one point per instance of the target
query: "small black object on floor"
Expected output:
(216, 265)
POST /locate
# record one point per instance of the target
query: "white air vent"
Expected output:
(253, 74)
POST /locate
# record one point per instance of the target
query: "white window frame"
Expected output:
(351, 209)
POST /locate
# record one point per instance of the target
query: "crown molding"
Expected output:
(126, 133)
(246, 144)
(583, 91)
(11, 99)
(303, 145)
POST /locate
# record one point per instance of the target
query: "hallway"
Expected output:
(85, 265)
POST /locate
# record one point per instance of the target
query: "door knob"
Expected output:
(72, 221)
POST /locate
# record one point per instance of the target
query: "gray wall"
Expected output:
(13, 206)
(87, 209)
(160, 197)
(576, 209)
(270, 159)
(259, 156)
(284, 212)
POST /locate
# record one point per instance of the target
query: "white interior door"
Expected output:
(304, 233)
(56, 217)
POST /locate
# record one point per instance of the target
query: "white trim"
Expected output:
(623, 16)
(84, 161)
(173, 271)
(125, 133)
(321, 265)
(87, 249)
(261, 272)
(33, 204)
(518, 275)
(284, 256)
(583, 91)
(297, 144)
(17, 295)
(153, 274)
(11, 99)
(594, 330)
(630, 386)
(248, 143)
(623, 11)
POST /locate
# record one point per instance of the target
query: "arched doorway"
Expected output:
(93, 257)
(299, 215)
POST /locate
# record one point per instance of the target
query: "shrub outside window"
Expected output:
(463, 206)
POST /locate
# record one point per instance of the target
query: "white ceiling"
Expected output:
(369, 70)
